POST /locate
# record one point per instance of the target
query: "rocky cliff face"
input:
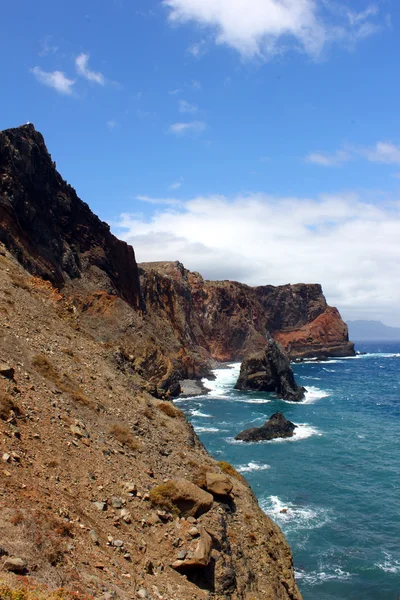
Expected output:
(230, 319)
(51, 231)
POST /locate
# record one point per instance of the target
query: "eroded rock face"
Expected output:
(276, 427)
(52, 232)
(269, 371)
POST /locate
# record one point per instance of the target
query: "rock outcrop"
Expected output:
(276, 427)
(269, 371)
(52, 232)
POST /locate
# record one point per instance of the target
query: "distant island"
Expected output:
(372, 331)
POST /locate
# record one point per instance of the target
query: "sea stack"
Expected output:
(269, 371)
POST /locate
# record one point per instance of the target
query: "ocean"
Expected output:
(338, 477)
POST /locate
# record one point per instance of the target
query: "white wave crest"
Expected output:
(197, 413)
(302, 432)
(313, 394)
(389, 564)
(207, 429)
(292, 517)
(224, 380)
(316, 577)
(252, 466)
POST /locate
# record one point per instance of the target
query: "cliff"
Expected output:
(98, 474)
(50, 230)
(90, 342)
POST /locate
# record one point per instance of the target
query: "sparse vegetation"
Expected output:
(229, 469)
(21, 282)
(7, 407)
(161, 496)
(170, 410)
(124, 436)
(26, 589)
(45, 367)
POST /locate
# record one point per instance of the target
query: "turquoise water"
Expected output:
(338, 477)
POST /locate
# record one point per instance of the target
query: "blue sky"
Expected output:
(251, 139)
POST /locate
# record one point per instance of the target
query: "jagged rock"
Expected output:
(188, 498)
(201, 555)
(101, 505)
(218, 484)
(269, 371)
(276, 427)
(6, 371)
(79, 432)
(15, 565)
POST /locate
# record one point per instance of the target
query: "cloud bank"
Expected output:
(265, 27)
(348, 245)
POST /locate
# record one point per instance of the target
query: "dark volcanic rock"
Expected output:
(49, 229)
(277, 427)
(270, 371)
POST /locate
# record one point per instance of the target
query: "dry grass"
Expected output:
(7, 407)
(170, 410)
(45, 367)
(21, 282)
(24, 588)
(124, 436)
(161, 496)
(229, 470)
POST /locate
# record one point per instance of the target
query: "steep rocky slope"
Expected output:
(85, 454)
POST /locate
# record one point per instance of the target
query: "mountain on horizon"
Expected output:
(372, 331)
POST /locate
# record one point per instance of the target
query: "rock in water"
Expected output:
(270, 371)
(277, 427)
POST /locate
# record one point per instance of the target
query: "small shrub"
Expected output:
(170, 410)
(161, 496)
(7, 407)
(229, 470)
(252, 537)
(124, 436)
(42, 364)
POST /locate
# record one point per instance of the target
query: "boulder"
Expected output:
(277, 427)
(6, 371)
(200, 558)
(183, 495)
(15, 565)
(218, 485)
(269, 371)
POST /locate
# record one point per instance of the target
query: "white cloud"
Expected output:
(82, 68)
(55, 79)
(348, 245)
(382, 152)
(175, 92)
(196, 85)
(112, 124)
(191, 127)
(266, 27)
(328, 160)
(149, 200)
(176, 184)
(186, 107)
(198, 49)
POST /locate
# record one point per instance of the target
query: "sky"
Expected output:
(254, 140)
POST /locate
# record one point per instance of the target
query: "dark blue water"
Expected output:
(338, 478)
